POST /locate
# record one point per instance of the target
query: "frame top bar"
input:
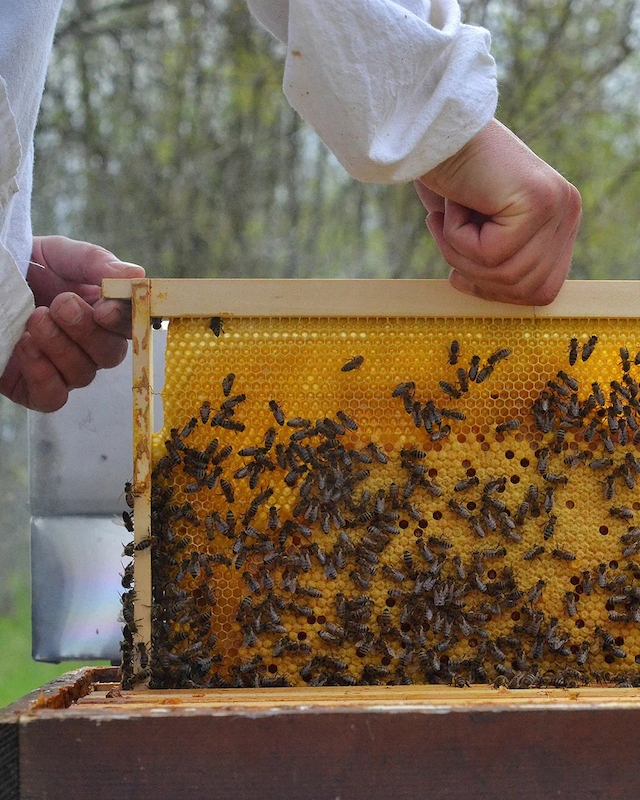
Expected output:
(276, 297)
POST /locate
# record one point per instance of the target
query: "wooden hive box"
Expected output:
(447, 734)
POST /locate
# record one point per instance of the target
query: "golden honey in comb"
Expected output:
(341, 501)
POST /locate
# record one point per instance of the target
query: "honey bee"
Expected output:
(460, 510)
(377, 453)
(127, 518)
(440, 543)
(622, 512)
(536, 592)
(227, 384)
(619, 616)
(217, 326)
(454, 352)
(536, 551)
(563, 555)
(589, 347)
(549, 493)
(484, 373)
(467, 483)
(570, 603)
(393, 574)
(188, 428)
(609, 487)
(438, 435)
(555, 479)
(474, 364)
(499, 355)
(450, 390)
(463, 379)
(550, 527)
(583, 653)
(277, 412)
(355, 363)
(404, 389)
(273, 522)
(205, 410)
(143, 544)
(509, 425)
(521, 513)
(452, 413)
(573, 351)
(495, 552)
(476, 526)
(597, 393)
(624, 359)
(627, 476)
(230, 424)
(227, 490)
(347, 421)
(575, 459)
(572, 383)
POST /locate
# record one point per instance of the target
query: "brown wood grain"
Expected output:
(433, 742)
(328, 754)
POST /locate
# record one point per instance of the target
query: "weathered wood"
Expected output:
(9, 761)
(362, 742)
(368, 298)
(329, 753)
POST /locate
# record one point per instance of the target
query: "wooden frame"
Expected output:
(80, 738)
(365, 298)
(307, 298)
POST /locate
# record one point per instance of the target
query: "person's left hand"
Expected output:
(73, 332)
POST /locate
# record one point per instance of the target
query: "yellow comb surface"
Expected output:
(412, 570)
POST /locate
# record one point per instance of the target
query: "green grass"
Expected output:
(19, 673)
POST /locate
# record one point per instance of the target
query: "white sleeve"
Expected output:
(16, 299)
(392, 87)
(16, 305)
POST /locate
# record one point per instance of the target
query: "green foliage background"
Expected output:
(164, 136)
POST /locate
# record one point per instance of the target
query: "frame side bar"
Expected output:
(142, 447)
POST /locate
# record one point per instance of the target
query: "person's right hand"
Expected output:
(73, 332)
(503, 219)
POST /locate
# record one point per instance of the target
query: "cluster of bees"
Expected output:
(315, 554)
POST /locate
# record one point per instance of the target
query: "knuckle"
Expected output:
(83, 378)
(114, 355)
(545, 295)
(48, 402)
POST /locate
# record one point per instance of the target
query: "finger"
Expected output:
(72, 265)
(429, 199)
(31, 380)
(537, 288)
(114, 315)
(492, 240)
(531, 264)
(74, 365)
(75, 318)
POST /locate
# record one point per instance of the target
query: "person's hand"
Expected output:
(73, 332)
(503, 219)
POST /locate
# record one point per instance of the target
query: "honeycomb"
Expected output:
(384, 501)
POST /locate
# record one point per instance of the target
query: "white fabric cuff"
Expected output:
(393, 88)
(16, 305)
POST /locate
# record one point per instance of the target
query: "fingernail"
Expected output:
(70, 311)
(133, 270)
(109, 313)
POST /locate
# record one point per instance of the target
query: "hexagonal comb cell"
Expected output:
(341, 501)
